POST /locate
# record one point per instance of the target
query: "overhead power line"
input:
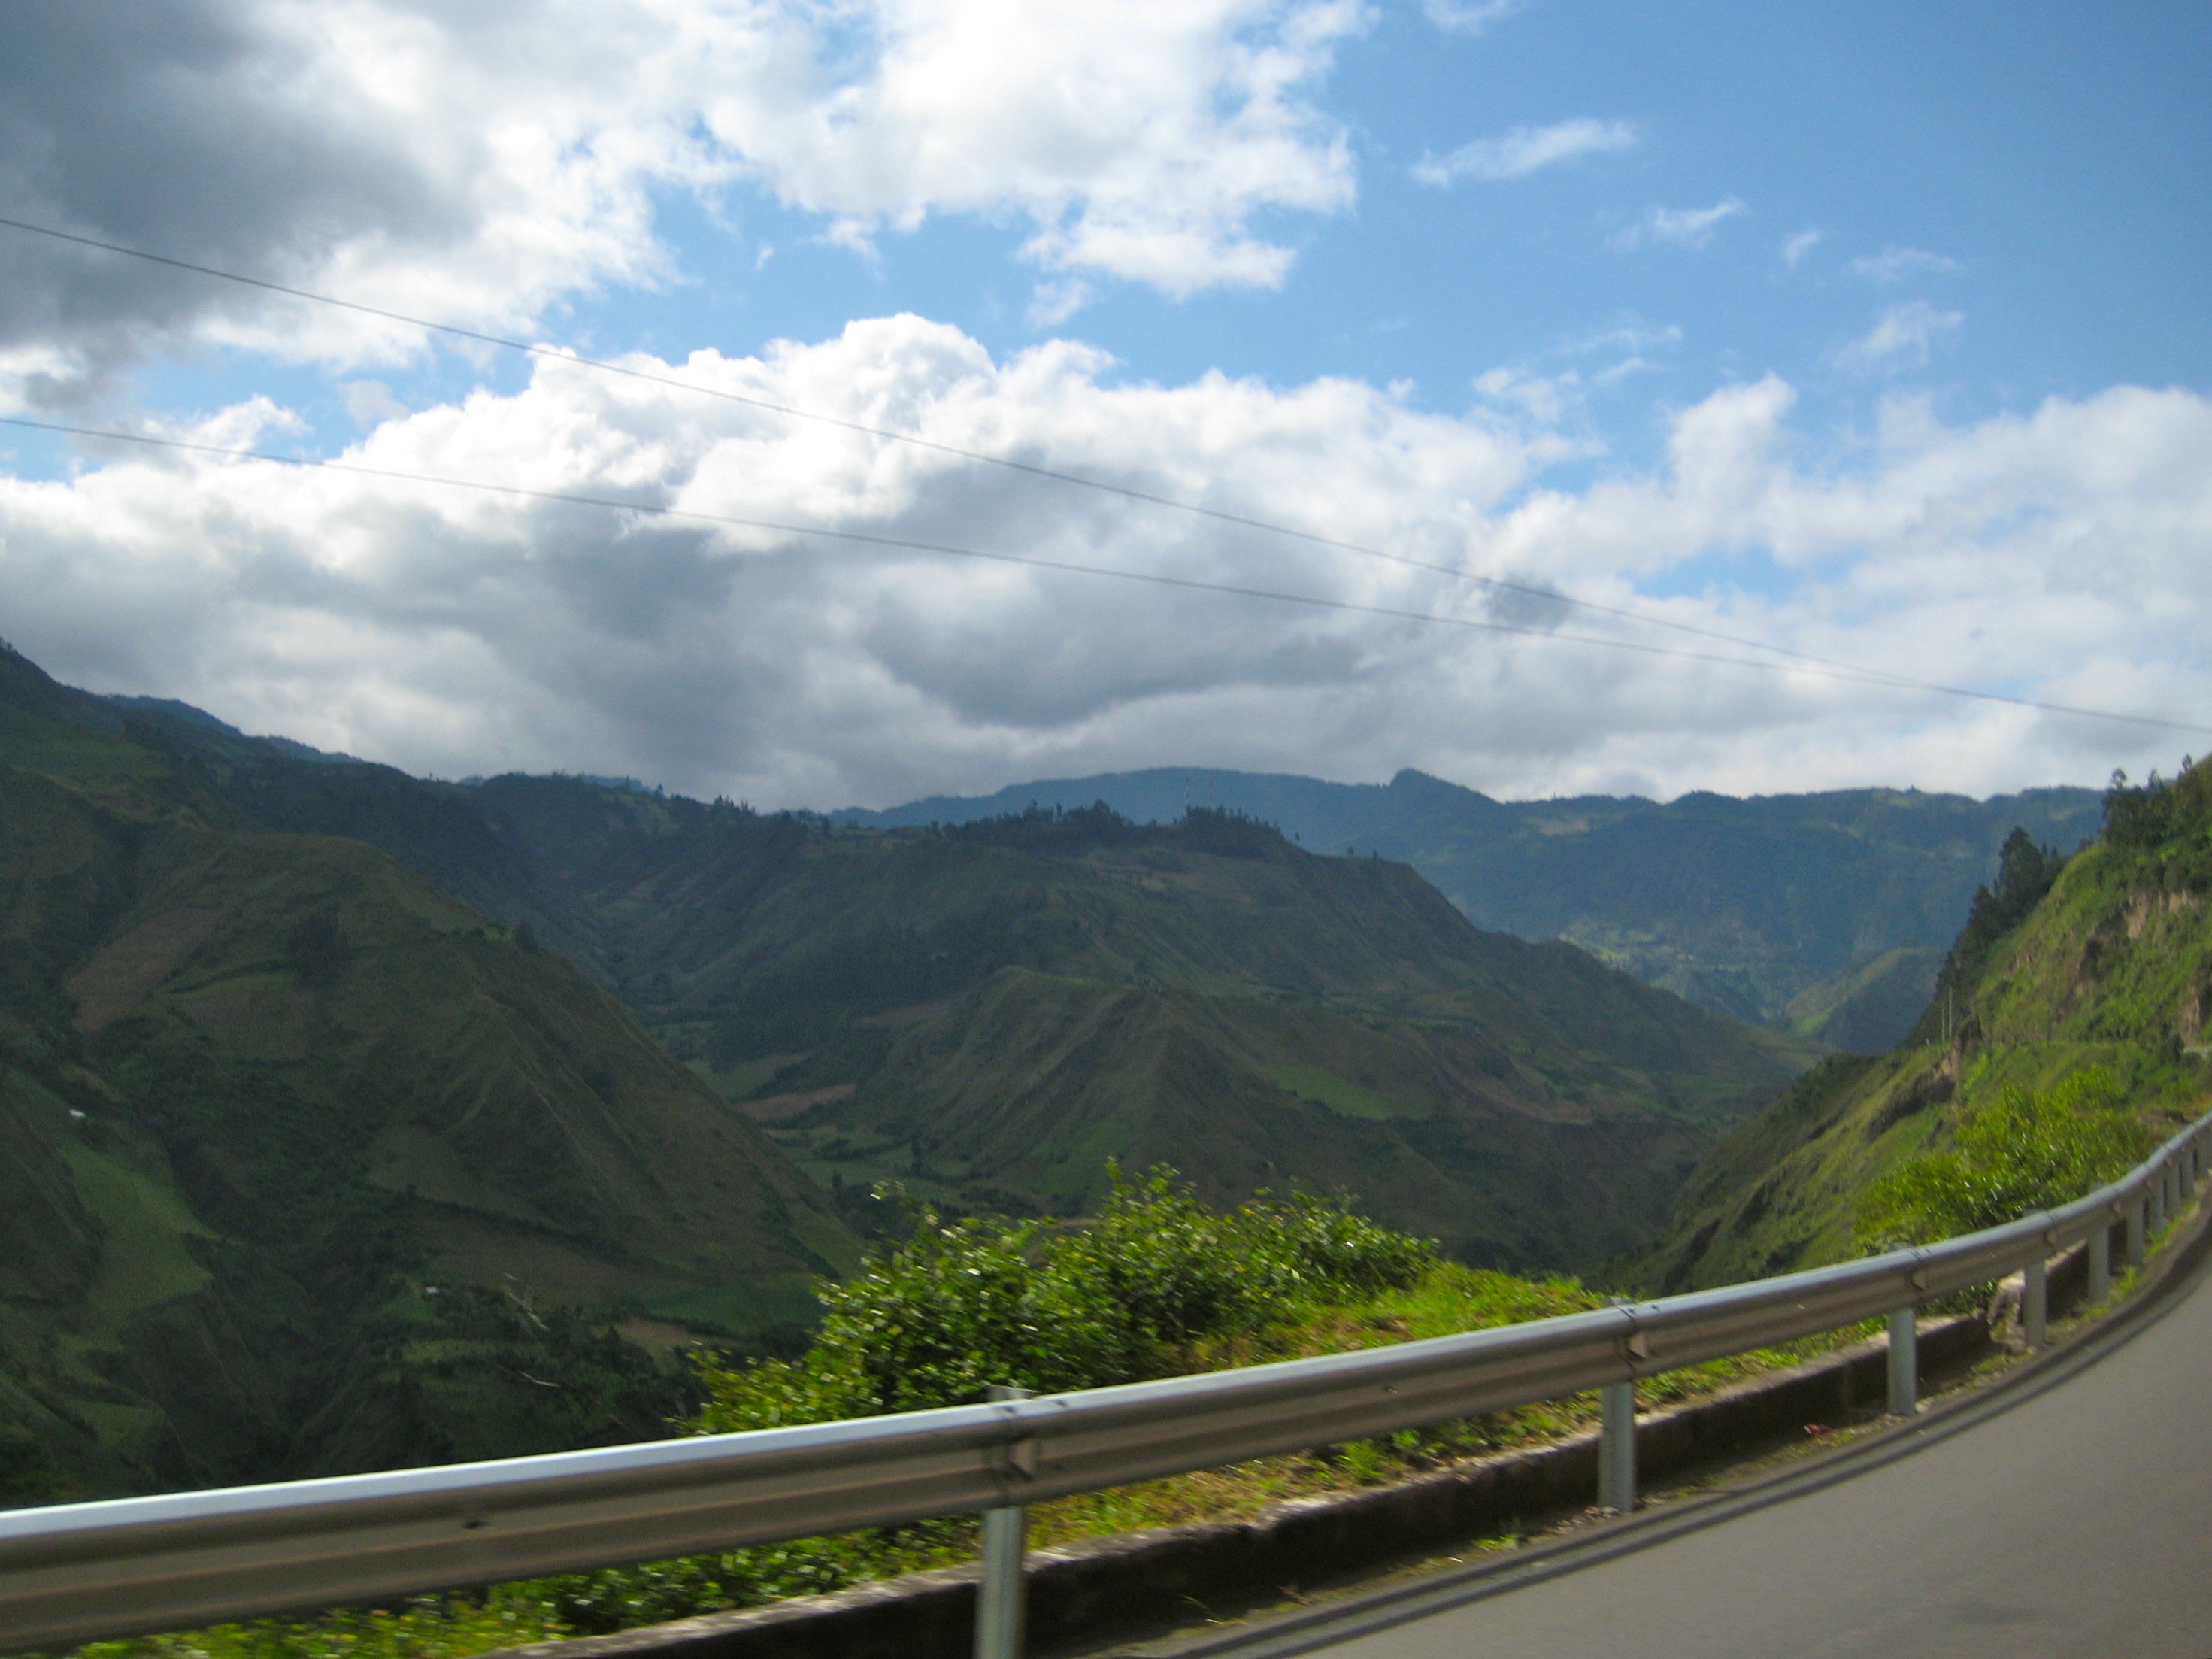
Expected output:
(1310, 601)
(1129, 492)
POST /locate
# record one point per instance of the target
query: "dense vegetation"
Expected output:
(2025, 1150)
(1134, 1293)
(1824, 915)
(2070, 1030)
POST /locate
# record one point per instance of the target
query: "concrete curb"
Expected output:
(1089, 1587)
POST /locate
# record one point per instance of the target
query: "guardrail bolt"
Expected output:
(1000, 1602)
(1616, 1450)
(1904, 1362)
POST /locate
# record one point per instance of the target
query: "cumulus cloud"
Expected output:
(1903, 336)
(1661, 227)
(477, 164)
(455, 631)
(1524, 151)
(1895, 264)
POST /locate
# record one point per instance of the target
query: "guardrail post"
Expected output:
(1616, 1449)
(1904, 1361)
(2158, 1204)
(2100, 1263)
(2035, 1302)
(2137, 1227)
(999, 1595)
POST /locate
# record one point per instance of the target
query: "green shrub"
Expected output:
(1123, 1297)
(2021, 1152)
(1156, 1284)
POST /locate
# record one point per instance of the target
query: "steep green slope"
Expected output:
(1786, 909)
(2111, 966)
(304, 1165)
(988, 1013)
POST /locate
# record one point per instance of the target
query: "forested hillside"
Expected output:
(2097, 965)
(988, 1013)
(1823, 915)
(309, 1166)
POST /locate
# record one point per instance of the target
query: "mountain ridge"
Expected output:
(1771, 909)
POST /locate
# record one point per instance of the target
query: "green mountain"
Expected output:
(309, 1165)
(1823, 915)
(1205, 995)
(2104, 961)
(987, 1013)
(353, 1118)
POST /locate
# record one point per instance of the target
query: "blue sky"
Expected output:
(1874, 333)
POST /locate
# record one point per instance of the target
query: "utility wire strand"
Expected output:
(1150, 578)
(552, 353)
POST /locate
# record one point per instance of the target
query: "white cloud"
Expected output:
(1054, 303)
(2060, 552)
(1470, 16)
(1690, 228)
(1524, 151)
(478, 164)
(1904, 336)
(1794, 250)
(1894, 264)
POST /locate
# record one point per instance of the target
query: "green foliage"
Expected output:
(2025, 873)
(428, 1627)
(2024, 1151)
(934, 1321)
(2171, 818)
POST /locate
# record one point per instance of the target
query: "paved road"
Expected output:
(2068, 1517)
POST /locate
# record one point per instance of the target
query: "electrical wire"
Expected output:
(1150, 578)
(552, 353)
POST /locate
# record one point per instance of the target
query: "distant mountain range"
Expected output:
(349, 1118)
(988, 1013)
(1823, 915)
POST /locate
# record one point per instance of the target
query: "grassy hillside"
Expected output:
(1823, 915)
(309, 1166)
(2111, 966)
(988, 1013)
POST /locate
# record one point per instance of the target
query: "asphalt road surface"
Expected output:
(2069, 1514)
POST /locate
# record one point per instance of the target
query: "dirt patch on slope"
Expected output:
(125, 971)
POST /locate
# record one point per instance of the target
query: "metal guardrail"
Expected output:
(81, 1571)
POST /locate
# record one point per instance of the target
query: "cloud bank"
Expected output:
(477, 164)
(2058, 553)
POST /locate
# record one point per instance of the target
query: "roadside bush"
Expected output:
(1049, 1306)
(2021, 1152)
